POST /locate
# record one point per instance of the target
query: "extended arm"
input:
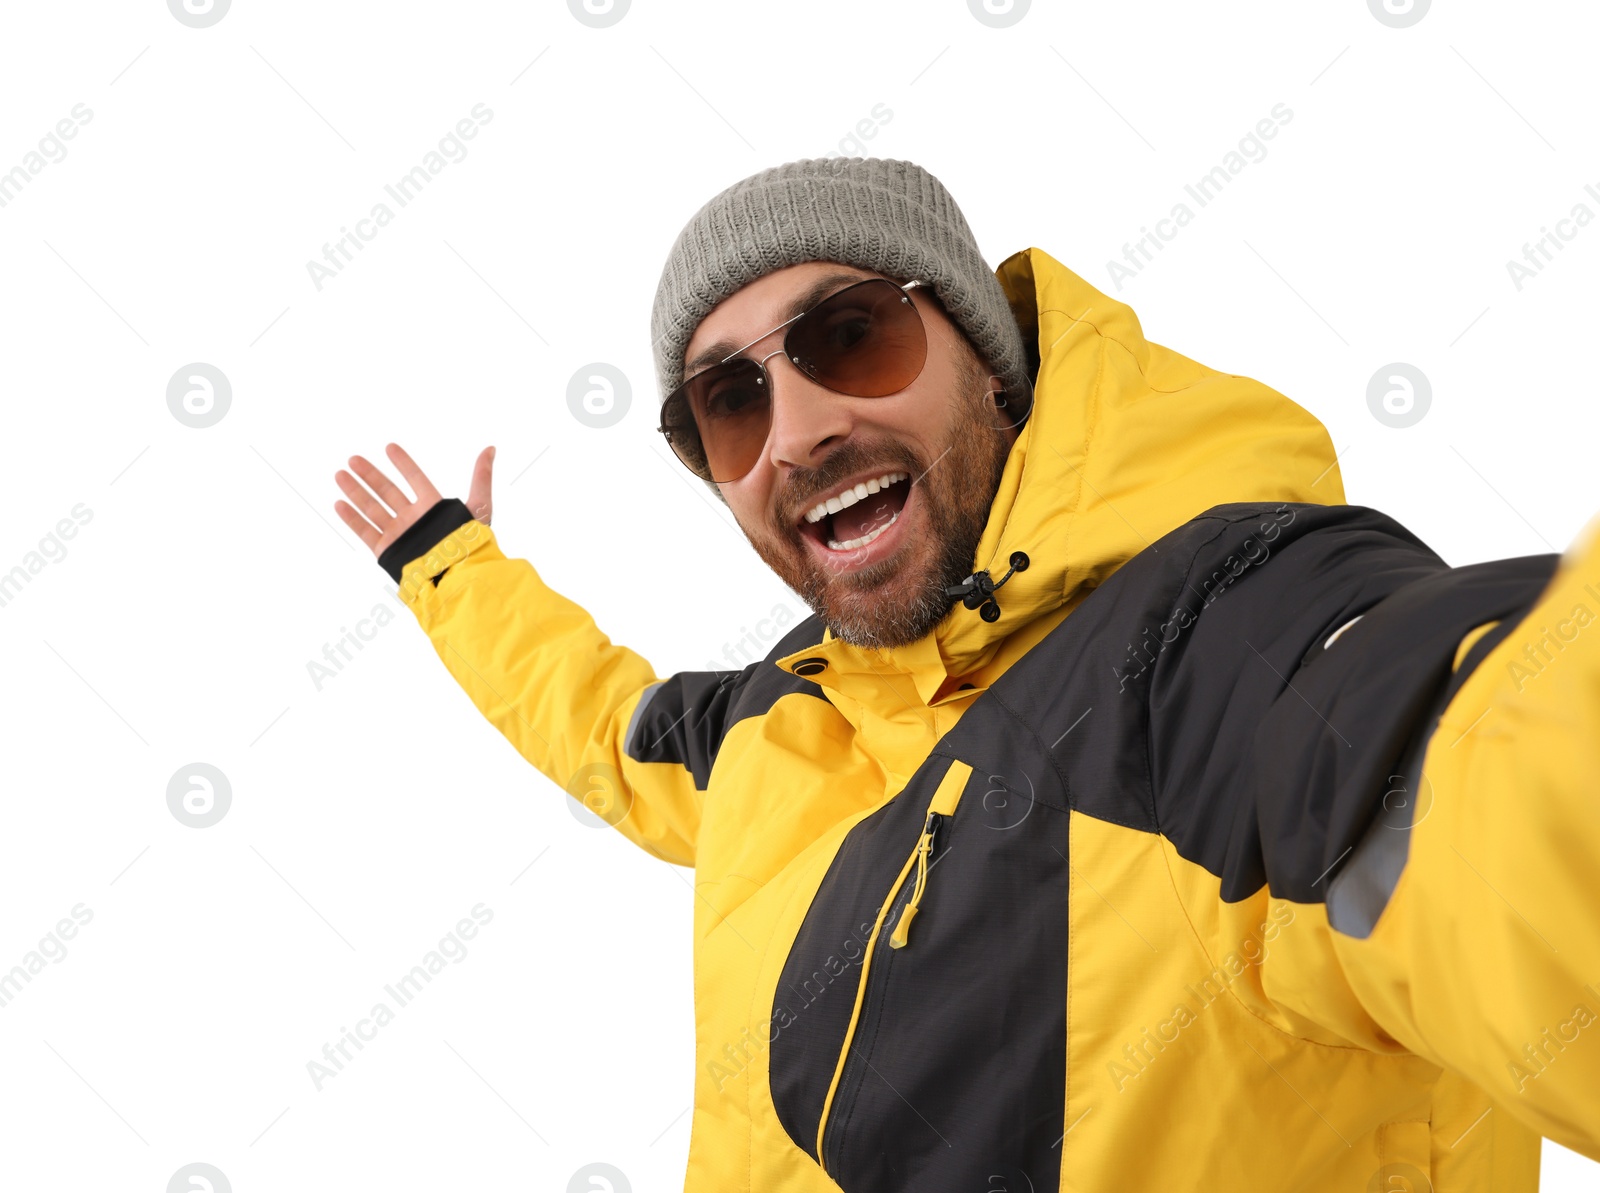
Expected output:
(1421, 784)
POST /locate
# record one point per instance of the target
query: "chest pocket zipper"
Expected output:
(940, 808)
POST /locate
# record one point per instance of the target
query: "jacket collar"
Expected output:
(1126, 441)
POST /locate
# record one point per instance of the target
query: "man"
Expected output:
(1131, 814)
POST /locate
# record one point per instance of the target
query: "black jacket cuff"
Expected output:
(442, 517)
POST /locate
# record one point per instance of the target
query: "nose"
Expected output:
(808, 420)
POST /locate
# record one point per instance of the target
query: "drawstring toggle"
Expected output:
(977, 590)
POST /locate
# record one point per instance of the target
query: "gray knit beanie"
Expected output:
(873, 213)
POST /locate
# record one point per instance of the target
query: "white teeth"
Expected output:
(850, 496)
(853, 544)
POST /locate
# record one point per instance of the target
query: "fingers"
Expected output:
(414, 476)
(388, 492)
(479, 497)
(364, 530)
(363, 501)
(380, 512)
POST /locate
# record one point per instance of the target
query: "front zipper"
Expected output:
(902, 929)
(940, 808)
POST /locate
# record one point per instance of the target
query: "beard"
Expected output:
(897, 600)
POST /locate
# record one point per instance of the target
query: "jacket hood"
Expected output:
(1126, 441)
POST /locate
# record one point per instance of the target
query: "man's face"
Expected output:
(922, 466)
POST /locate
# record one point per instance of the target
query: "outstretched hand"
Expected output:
(385, 512)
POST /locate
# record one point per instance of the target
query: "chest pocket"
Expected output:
(920, 1018)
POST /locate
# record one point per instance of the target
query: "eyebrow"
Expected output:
(804, 301)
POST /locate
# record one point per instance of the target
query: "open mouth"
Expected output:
(856, 515)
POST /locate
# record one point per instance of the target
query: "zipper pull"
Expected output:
(902, 929)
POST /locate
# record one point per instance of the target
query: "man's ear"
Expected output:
(1008, 410)
(1002, 410)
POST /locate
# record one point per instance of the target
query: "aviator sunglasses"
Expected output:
(866, 341)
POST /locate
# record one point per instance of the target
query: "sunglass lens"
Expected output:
(867, 340)
(720, 418)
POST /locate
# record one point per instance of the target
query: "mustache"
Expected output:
(802, 487)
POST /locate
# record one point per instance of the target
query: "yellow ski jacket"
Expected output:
(1251, 847)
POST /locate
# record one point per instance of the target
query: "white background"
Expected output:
(369, 816)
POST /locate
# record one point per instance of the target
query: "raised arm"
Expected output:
(535, 664)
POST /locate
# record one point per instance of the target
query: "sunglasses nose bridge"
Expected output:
(803, 368)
